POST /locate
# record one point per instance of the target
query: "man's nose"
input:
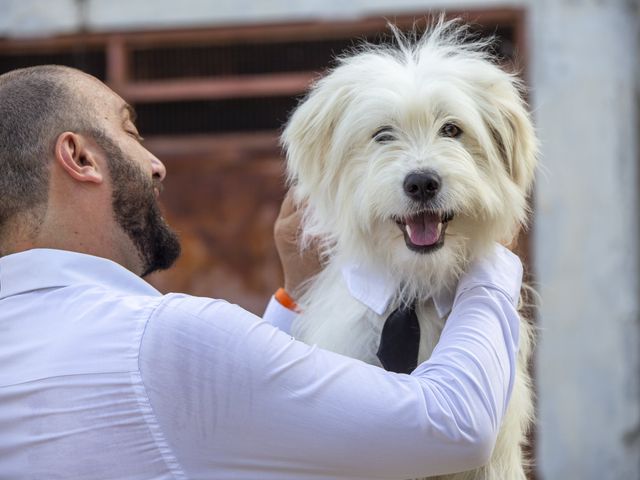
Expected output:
(158, 169)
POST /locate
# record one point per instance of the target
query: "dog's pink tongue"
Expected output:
(423, 229)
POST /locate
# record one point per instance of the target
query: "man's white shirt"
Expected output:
(103, 377)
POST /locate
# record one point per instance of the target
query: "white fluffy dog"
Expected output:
(411, 161)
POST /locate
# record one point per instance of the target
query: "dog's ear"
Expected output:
(512, 132)
(309, 134)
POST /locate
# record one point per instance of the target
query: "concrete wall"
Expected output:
(584, 79)
(43, 17)
(584, 76)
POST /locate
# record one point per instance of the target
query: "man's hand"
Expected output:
(298, 266)
(500, 268)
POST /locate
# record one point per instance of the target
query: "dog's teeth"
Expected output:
(409, 230)
(439, 229)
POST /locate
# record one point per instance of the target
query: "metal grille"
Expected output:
(220, 116)
(234, 59)
(197, 61)
(92, 62)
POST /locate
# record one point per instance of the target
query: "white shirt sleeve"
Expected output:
(278, 315)
(237, 398)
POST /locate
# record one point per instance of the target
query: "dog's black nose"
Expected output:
(422, 186)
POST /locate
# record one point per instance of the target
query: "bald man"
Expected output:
(103, 377)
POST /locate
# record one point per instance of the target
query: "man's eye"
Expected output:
(384, 135)
(450, 130)
(135, 135)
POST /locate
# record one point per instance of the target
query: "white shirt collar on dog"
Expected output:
(374, 288)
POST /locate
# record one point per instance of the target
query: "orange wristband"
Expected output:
(285, 299)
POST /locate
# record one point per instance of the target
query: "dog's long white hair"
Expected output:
(411, 160)
(378, 116)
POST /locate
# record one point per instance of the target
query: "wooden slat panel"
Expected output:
(117, 55)
(230, 148)
(271, 85)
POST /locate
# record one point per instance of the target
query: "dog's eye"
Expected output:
(384, 135)
(450, 130)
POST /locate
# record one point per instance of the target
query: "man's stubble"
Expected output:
(136, 209)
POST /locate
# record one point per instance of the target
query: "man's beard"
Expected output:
(136, 209)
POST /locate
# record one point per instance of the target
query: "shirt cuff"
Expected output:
(500, 270)
(279, 316)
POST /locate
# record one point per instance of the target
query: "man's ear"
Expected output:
(78, 157)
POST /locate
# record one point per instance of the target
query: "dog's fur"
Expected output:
(350, 181)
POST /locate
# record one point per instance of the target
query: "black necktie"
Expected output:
(400, 340)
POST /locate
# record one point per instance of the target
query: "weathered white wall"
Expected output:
(225, 11)
(43, 17)
(37, 17)
(584, 78)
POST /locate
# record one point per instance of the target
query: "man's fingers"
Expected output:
(288, 207)
(287, 224)
(298, 265)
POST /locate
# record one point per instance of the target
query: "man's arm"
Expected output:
(238, 398)
(278, 315)
(298, 265)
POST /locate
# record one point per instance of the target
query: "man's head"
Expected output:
(32, 110)
(73, 173)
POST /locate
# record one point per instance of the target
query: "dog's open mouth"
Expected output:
(424, 231)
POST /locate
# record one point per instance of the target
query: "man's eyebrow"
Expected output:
(131, 111)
